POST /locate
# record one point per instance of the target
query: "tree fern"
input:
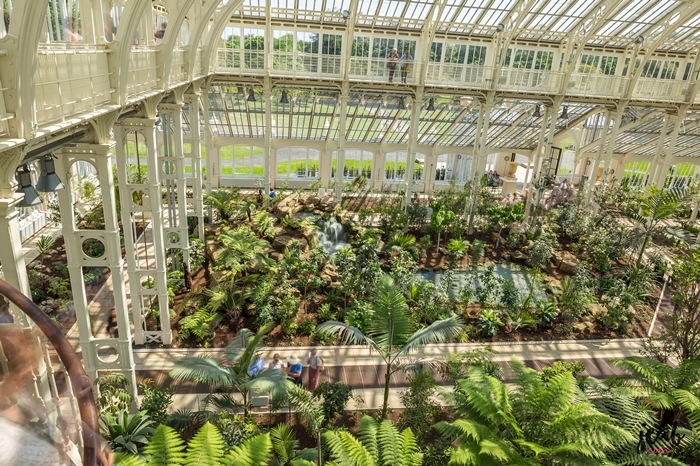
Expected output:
(368, 436)
(124, 459)
(346, 450)
(256, 451)
(206, 447)
(166, 448)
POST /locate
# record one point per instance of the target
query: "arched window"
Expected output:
(297, 162)
(242, 161)
(453, 167)
(395, 165)
(357, 162)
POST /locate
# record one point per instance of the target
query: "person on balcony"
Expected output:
(160, 33)
(406, 61)
(393, 60)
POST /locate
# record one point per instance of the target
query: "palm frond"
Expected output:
(284, 442)
(271, 381)
(437, 332)
(391, 324)
(347, 334)
(202, 369)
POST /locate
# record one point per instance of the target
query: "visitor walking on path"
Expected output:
(315, 367)
(294, 368)
(276, 362)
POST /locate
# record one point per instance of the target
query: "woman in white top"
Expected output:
(315, 367)
(276, 362)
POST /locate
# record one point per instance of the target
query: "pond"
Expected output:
(521, 278)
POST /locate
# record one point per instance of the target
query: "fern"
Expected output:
(200, 324)
(166, 448)
(206, 447)
(264, 224)
(256, 451)
(124, 459)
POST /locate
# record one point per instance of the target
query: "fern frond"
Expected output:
(369, 429)
(206, 447)
(166, 448)
(256, 451)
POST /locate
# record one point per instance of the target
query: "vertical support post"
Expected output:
(479, 160)
(342, 130)
(75, 240)
(171, 167)
(195, 156)
(267, 172)
(667, 154)
(412, 143)
(211, 153)
(325, 166)
(651, 178)
(145, 260)
(599, 156)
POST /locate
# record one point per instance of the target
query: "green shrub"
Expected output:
(545, 312)
(335, 397)
(325, 313)
(540, 253)
(155, 400)
(478, 248)
(420, 409)
(92, 275)
(307, 326)
(488, 322)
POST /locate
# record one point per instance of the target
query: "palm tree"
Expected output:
(224, 376)
(206, 448)
(286, 448)
(654, 207)
(43, 246)
(374, 445)
(535, 423)
(391, 332)
(675, 391)
(402, 241)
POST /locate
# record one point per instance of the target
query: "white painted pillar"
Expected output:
(171, 170)
(325, 167)
(211, 153)
(195, 156)
(150, 266)
(267, 155)
(617, 120)
(14, 268)
(98, 352)
(412, 143)
(479, 160)
(342, 136)
(599, 156)
(667, 153)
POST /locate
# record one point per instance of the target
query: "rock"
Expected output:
(597, 309)
(330, 271)
(53, 252)
(497, 238)
(554, 285)
(276, 256)
(312, 200)
(326, 278)
(580, 327)
(281, 242)
(58, 263)
(518, 257)
(568, 265)
(318, 212)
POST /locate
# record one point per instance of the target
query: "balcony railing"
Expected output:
(458, 73)
(529, 80)
(142, 71)
(596, 85)
(305, 64)
(661, 89)
(242, 61)
(70, 80)
(382, 70)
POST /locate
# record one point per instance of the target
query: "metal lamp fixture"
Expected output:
(346, 14)
(564, 113)
(31, 196)
(402, 104)
(640, 39)
(251, 95)
(536, 113)
(284, 99)
(500, 27)
(431, 105)
(48, 180)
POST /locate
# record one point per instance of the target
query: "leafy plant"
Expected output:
(44, 245)
(488, 322)
(478, 248)
(114, 395)
(335, 397)
(545, 312)
(505, 215)
(420, 408)
(456, 250)
(540, 253)
(155, 400)
(126, 432)
(264, 224)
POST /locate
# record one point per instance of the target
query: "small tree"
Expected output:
(504, 216)
(684, 327)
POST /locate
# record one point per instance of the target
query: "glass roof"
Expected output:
(615, 25)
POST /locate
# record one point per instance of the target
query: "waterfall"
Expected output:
(333, 236)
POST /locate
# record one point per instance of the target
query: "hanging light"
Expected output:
(284, 99)
(31, 196)
(536, 113)
(431, 105)
(640, 39)
(251, 95)
(500, 27)
(48, 180)
(402, 104)
(564, 113)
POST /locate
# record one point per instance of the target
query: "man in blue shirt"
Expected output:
(294, 368)
(257, 366)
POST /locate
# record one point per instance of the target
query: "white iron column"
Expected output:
(98, 350)
(267, 171)
(598, 157)
(654, 168)
(211, 169)
(14, 268)
(617, 120)
(171, 169)
(140, 200)
(666, 156)
(412, 143)
(195, 156)
(324, 166)
(342, 130)
(479, 159)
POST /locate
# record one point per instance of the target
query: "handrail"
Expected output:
(78, 377)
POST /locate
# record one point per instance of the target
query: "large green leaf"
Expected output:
(166, 448)
(206, 447)
(255, 451)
